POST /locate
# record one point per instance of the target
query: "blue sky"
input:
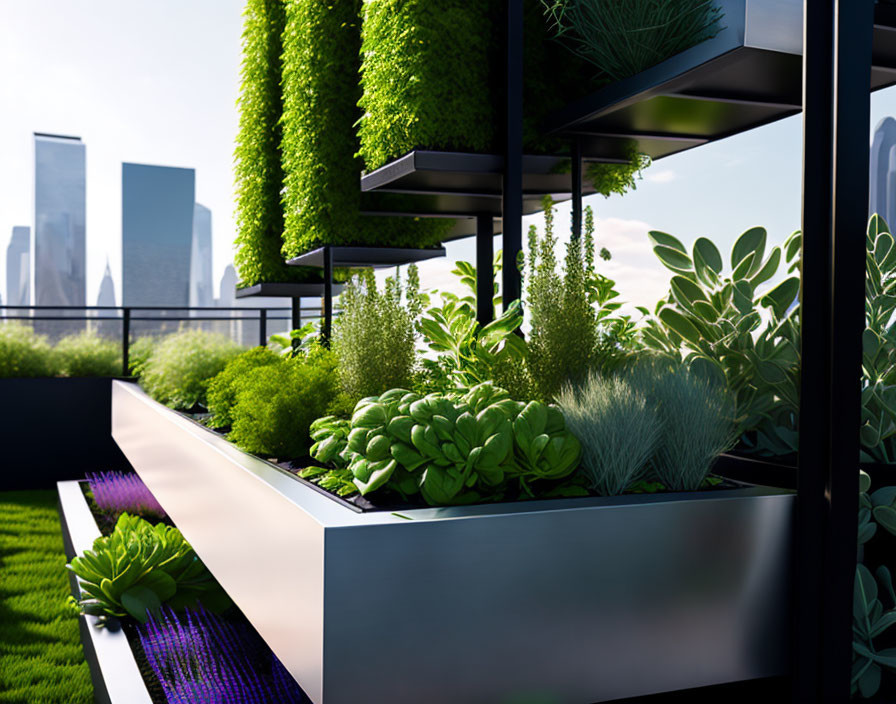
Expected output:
(157, 83)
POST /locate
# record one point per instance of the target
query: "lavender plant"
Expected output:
(116, 492)
(201, 658)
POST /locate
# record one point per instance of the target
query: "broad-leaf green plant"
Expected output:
(138, 568)
(736, 325)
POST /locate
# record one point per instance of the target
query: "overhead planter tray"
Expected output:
(366, 256)
(748, 75)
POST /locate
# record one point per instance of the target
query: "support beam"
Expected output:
(485, 272)
(853, 32)
(327, 324)
(575, 154)
(296, 313)
(837, 69)
(815, 316)
(512, 193)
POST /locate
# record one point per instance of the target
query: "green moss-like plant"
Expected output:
(426, 71)
(257, 168)
(223, 388)
(277, 403)
(24, 353)
(88, 354)
(322, 198)
(182, 366)
(40, 648)
(139, 352)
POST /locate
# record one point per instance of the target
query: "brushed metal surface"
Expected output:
(118, 679)
(775, 25)
(572, 601)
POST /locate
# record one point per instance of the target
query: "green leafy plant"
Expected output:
(617, 426)
(24, 353)
(421, 61)
(138, 568)
(713, 321)
(574, 327)
(88, 354)
(321, 198)
(222, 390)
(696, 417)
(276, 404)
(622, 39)
(871, 619)
(257, 169)
(608, 179)
(139, 352)
(375, 337)
(182, 366)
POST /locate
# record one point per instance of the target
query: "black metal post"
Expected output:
(512, 205)
(485, 271)
(575, 158)
(853, 32)
(296, 314)
(815, 316)
(837, 71)
(328, 297)
(125, 341)
(263, 324)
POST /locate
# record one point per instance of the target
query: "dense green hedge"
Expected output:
(257, 168)
(322, 198)
(40, 646)
(425, 73)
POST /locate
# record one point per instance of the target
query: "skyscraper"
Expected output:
(106, 297)
(59, 222)
(157, 204)
(883, 171)
(202, 292)
(18, 267)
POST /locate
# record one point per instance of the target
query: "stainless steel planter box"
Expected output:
(577, 601)
(113, 669)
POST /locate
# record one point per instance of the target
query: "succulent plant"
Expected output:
(139, 567)
(543, 447)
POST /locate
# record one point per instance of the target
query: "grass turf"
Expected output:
(41, 661)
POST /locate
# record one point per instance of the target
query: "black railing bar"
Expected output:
(121, 308)
(77, 318)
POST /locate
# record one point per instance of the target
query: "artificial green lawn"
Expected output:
(41, 661)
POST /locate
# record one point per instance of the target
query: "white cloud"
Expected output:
(664, 176)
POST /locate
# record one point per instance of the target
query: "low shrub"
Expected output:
(183, 364)
(139, 352)
(617, 426)
(223, 388)
(276, 404)
(88, 354)
(24, 353)
(375, 338)
(139, 567)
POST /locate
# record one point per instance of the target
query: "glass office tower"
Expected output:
(156, 234)
(202, 292)
(18, 269)
(59, 226)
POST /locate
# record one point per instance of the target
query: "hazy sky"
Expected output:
(156, 82)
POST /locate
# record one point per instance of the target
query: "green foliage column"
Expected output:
(322, 198)
(257, 169)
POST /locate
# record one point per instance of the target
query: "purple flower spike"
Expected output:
(201, 658)
(116, 493)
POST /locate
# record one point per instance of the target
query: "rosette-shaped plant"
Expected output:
(543, 447)
(376, 425)
(457, 448)
(330, 435)
(139, 567)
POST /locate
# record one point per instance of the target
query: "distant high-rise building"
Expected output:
(59, 224)
(106, 295)
(227, 296)
(202, 293)
(882, 198)
(157, 204)
(18, 267)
